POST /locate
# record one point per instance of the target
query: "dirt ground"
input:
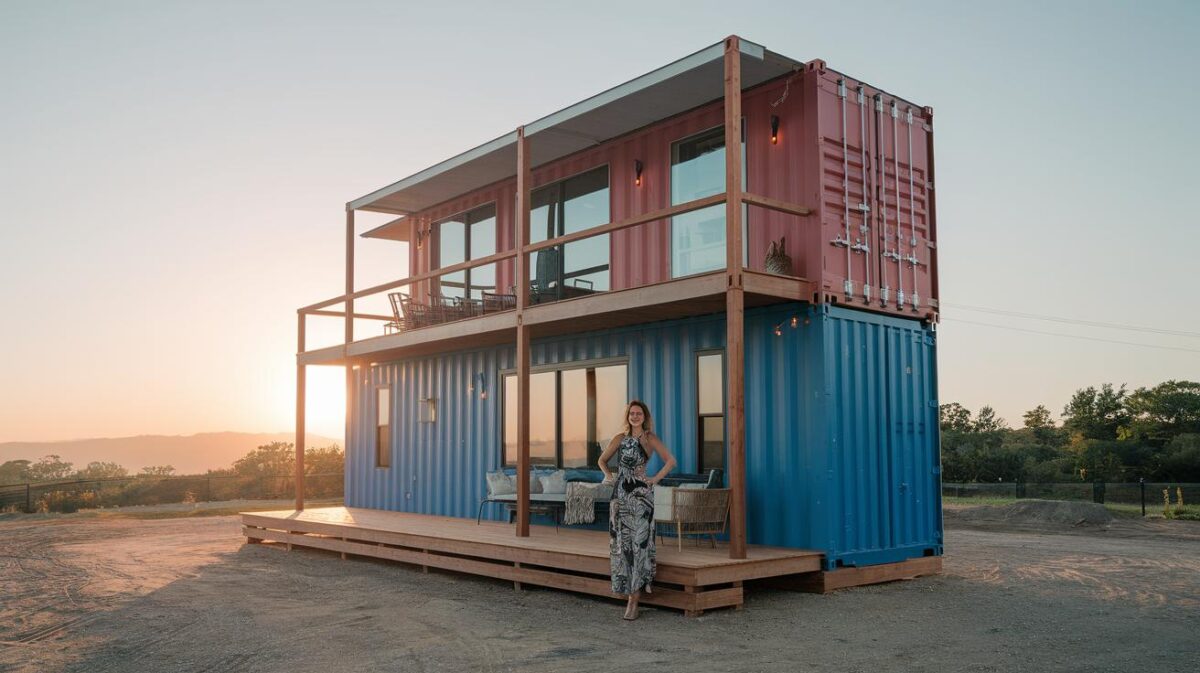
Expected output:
(101, 594)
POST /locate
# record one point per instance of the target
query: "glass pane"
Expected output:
(698, 241)
(382, 408)
(709, 377)
(612, 393)
(541, 425)
(483, 231)
(576, 403)
(383, 446)
(483, 279)
(697, 171)
(543, 216)
(712, 443)
(585, 201)
(586, 265)
(453, 284)
(452, 240)
(541, 419)
(510, 420)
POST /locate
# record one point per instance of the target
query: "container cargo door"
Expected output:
(912, 439)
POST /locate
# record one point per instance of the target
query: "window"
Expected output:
(466, 236)
(697, 171)
(574, 414)
(383, 428)
(710, 408)
(564, 207)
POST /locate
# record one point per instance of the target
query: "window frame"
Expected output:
(671, 198)
(383, 449)
(560, 183)
(557, 368)
(463, 217)
(700, 467)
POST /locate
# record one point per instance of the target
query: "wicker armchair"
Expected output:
(695, 511)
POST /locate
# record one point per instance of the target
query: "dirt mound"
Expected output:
(1041, 512)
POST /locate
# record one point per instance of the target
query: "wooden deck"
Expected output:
(695, 579)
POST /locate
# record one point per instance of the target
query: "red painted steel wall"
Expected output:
(805, 167)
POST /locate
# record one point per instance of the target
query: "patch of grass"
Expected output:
(150, 512)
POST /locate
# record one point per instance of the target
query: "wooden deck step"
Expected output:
(693, 580)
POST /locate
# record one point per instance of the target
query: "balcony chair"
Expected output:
(493, 302)
(397, 323)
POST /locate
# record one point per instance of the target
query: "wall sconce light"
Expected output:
(420, 236)
(637, 172)
(774, 129)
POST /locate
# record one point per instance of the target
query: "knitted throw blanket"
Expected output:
(581, 501)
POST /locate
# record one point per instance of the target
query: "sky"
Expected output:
(173, 178)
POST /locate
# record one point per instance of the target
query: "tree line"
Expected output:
(1107, 433)
(276, 458)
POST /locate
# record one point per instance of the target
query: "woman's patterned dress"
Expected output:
(631, 522)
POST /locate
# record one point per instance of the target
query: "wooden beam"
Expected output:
(339, 314)
(349, 328)
(660, 214)
(524, 182)
(349, 275)
(469, 264)
(300, 412)
(735, 300)
(775, 204)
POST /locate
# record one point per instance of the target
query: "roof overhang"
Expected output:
(672, 89)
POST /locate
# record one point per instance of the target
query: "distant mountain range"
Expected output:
(188, 454)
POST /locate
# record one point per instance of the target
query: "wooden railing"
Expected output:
(321, 308)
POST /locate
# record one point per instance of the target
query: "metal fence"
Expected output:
(70, 496)
(1149, 494)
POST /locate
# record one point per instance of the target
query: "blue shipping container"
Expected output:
(841, 424)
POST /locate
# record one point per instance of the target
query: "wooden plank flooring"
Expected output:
(695, 579)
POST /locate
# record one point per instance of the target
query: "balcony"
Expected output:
(430, 314)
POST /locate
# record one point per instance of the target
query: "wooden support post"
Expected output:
(742, 603)
(349, 276)
(301, 386)
(522, 224)
(351, 377)
(735, 300)
(516, 585)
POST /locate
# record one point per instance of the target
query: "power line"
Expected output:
(1074, 336)
(1075, 321)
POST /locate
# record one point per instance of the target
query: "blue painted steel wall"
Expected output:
(841, 425)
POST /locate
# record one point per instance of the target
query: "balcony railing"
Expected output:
(424, 299)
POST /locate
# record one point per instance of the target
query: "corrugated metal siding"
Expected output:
(841, 425)
(880, 372)
(794, 170)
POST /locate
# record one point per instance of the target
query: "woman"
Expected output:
(631, 514)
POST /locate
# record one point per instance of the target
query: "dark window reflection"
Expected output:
(564, 207)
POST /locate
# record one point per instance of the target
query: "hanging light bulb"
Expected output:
(795, 321)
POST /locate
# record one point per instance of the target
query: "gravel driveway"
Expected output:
(101, 594)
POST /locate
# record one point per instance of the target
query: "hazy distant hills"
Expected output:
(189, 454)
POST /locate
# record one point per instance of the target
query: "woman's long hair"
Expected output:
(647, 425)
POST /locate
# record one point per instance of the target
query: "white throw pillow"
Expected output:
(555, 482)
(499, 483)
